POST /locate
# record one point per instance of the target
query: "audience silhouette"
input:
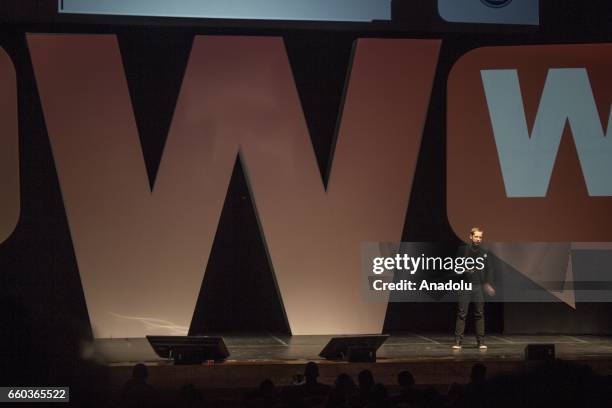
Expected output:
(136, 392)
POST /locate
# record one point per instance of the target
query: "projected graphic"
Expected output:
(238, 95)
(525, 12)
(529, 146)
(530, 159)
(314, 10)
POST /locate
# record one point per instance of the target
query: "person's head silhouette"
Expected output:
(311, 372)
(344, 383)
(140, 372)
(405, 379)
(366, 380)
(267, 389)
(479, 373)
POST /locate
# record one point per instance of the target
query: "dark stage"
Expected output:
(429, 357)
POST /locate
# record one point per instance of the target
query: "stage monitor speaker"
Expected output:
(354, 348)
(535, 352)
(189, 349)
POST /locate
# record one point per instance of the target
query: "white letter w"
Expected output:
(527, 160)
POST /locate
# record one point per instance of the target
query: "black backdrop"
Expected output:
(39, 280)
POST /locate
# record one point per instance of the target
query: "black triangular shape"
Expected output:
(44, 315)
(238, 293)
(154, 62)
(321, 64)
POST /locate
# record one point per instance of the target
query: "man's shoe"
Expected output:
(482, 346)
(457, 345)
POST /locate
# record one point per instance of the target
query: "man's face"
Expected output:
(476, 237)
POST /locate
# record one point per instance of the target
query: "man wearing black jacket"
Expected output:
(481, 280)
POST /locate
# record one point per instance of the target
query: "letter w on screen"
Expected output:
(142, 254)
(529, 143)
(527, 160)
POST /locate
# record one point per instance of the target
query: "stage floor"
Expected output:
(271, 348)
(280, 357)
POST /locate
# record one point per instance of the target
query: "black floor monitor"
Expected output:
(539, 352)
(189, 349)
(353, 348)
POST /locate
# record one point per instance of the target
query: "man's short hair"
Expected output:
(475, 229)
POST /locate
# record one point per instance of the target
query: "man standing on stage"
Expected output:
(481, 280)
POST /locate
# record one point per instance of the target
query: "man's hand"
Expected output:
(488, 289)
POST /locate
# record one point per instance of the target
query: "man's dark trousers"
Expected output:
(477, 298)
